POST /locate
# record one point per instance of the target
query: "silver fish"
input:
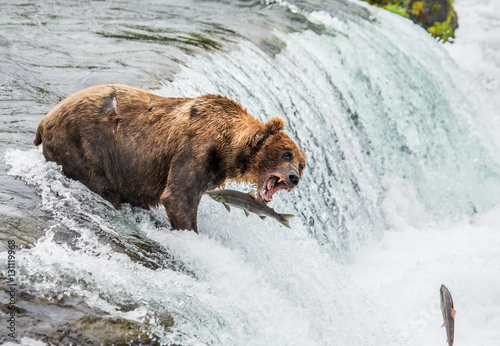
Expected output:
(249, 203)
(448, 314)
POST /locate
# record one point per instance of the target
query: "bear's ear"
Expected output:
(274, 125)
(270, 128)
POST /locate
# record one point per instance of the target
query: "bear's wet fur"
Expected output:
(131, 146)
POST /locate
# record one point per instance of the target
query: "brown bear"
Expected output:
(131, 146)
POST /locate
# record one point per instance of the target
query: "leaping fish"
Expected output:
(448, 314)
(249, 203)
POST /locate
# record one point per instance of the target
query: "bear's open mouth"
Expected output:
(272, 184)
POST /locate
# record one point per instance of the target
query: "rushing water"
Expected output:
(394, 137)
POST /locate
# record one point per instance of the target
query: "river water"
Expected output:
(401, 193)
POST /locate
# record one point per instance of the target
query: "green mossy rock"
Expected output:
(436, 16)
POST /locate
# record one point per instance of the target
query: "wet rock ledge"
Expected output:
(69, 320)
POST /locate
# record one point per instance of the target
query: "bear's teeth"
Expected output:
(270, 184)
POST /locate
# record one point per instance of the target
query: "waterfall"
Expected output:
(394, 147)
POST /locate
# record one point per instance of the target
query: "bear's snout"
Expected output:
(293, 179)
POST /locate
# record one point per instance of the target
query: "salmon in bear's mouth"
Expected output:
(272, 184)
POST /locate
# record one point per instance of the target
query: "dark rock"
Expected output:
(70, 320)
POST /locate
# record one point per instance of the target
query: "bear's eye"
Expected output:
(301, 168)
(287, 155)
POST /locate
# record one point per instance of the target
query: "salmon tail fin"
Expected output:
(38, 136)
(286, 220)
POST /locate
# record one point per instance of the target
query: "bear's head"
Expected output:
(278, 163)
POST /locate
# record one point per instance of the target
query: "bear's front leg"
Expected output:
(181, 204)
(183, 192)
(180, 218)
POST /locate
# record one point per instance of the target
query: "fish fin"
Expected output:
(442, 326)
(286, 221)
(262, 217)
(253, 194)
(227, 206)
(246, 212)
(453, 313)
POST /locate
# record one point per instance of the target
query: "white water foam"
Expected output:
(404, 271)
(250, 281)
(477, 45)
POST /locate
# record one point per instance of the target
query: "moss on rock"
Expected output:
(436, 16)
